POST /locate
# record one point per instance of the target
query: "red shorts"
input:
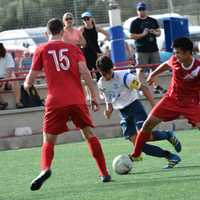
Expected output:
(169, 109)
(55, 119)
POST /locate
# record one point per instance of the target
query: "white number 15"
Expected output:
(61, 61)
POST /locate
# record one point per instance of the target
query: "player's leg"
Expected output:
(198, 125)
(53, 125)
(47, 154)
(81, 118)
(132, 119)
(144, 135)
(139, 116)
(173, 159)
(192, 113)
(128, 126)
(165, 110)
(96, 151)
(158, 135)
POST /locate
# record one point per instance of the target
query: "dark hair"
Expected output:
(183, 43)
(54, 26)
(2, 51)
(104, 63)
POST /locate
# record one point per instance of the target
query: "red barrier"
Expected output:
(17, 79)
(24, 73)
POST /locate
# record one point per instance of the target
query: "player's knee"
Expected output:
(49, 138)
(87, 133)
(198, 125)
(147, 126)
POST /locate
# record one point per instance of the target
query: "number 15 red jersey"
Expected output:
(59, 61)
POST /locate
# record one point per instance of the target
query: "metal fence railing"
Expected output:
(29, 13)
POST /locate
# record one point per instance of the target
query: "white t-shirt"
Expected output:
(6, 63)
(116, 90)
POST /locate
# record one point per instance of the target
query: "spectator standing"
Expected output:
(71, 34)
(26, 61)
(64, 75)
(90, 33)
(144, 30)
(7, 67)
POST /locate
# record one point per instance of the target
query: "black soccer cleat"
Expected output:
(173, 160)
(36, 184)
(174, 140)
(105, 179)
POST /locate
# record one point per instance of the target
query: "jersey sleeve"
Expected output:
(103, 94)
(130, 81)
(170, 61)
(37, 60)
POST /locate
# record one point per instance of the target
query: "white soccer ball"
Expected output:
(122, 164)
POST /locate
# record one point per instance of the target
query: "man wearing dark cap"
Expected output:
(144, 30)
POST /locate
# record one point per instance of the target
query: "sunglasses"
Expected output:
(141, 9)
(67, 19)
(86, 18)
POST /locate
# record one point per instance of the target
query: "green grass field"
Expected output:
(75, 176)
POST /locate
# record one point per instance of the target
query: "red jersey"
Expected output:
(60, 64)
(185, 83)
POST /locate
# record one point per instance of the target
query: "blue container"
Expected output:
(165, 55)
(116, 32)
(174, 28)
(118, 51)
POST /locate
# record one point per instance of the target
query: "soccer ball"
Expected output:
(122, 164)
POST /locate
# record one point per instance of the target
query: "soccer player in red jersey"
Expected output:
(183, 95)
(64, 65)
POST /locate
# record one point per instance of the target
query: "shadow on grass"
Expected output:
(88, 191)
(109, 189)
(167, 170)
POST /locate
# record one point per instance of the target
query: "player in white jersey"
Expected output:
(119, 90)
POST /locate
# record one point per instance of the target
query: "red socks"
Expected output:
(47, 155)
(97, 153)
(94, 146)
(141, 139)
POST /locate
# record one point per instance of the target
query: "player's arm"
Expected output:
(85, 74)
(160, 69)
(107, 98)
(108, 111)
(132, 83)
(30, 78)
(36, 68)
(105, 33)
